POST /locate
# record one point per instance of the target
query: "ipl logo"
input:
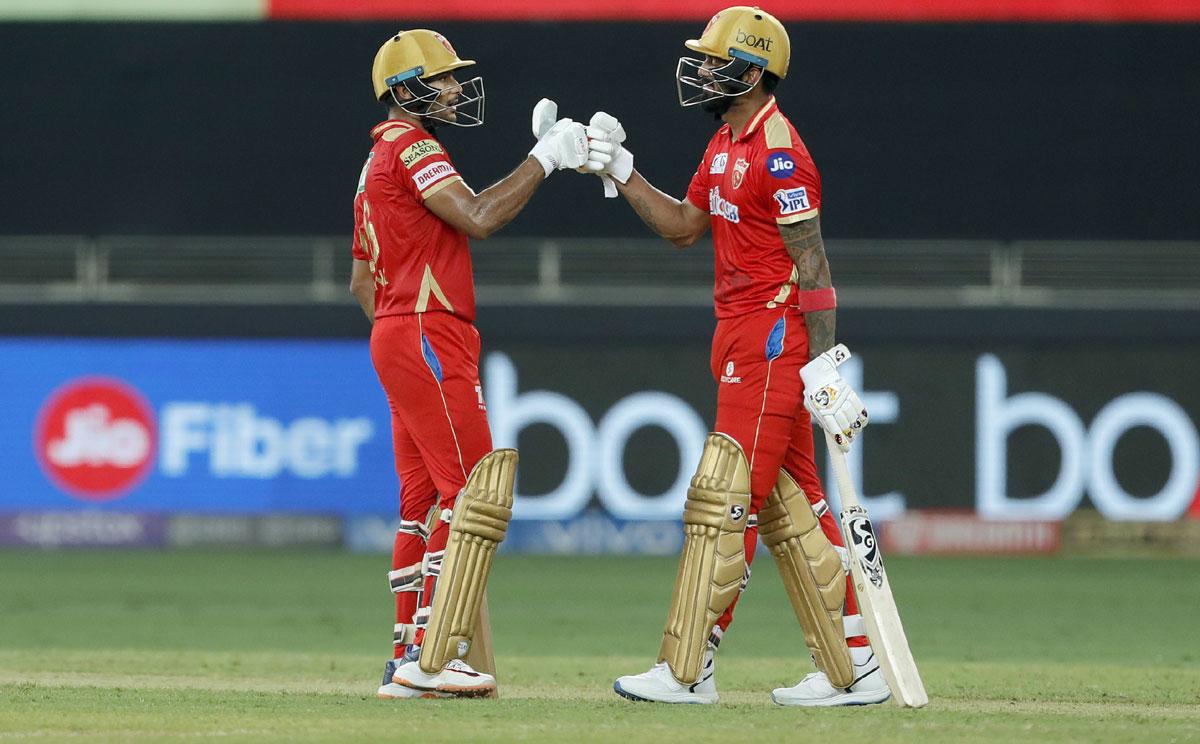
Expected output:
(792, 200)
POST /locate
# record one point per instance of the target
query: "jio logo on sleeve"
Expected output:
(780, 165)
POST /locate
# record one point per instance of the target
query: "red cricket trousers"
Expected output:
(428, 365)
(756, 361)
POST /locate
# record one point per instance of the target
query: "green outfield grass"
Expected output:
(275, 646)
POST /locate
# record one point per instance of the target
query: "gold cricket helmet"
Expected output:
(752, 34)
(419, 53)
(410, 58)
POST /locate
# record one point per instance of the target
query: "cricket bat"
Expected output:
(875, 600)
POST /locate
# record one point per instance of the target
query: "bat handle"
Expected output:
(841, 472)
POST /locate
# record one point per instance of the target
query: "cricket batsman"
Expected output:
(413, 215)
(775, 362)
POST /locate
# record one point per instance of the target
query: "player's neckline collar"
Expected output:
(378, 130)
(755, 121)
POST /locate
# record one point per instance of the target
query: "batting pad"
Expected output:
(713, 561)
(479, 522)
(812, 574)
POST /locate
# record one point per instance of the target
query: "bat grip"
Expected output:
(841, 473)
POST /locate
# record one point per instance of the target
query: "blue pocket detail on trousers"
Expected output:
(775, 340)
(430, 358)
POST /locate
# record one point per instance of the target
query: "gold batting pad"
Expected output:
(812, 575)
(480, 520)
(714, 556)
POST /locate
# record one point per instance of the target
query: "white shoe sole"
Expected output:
(686, 698)
(394, 691)
(485, 689)
(846, 698)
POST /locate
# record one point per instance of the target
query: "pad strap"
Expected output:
(413, 527)
(421, 617)
(404, 634)
(714, 638)
(855, 625)
(406, 579)
(432, 563)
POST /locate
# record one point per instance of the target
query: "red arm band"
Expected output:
(812, 300)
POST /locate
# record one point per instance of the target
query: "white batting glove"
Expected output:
(563, 145)
(607, 155)
(833, 403)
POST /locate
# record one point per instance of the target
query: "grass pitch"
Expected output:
(274, 646)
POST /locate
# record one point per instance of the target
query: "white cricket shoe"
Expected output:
(457, 678)
(815, 691)
(389, 690)
(660, 686)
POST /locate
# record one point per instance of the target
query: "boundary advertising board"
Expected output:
(256, 427)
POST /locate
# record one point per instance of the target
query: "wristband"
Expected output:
(813, 300)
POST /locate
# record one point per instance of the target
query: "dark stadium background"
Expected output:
(1070, 147)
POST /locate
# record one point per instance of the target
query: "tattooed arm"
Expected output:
(804, 245)
(677, 221)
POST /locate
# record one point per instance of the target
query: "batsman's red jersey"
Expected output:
(424, 344)
(751, 182)
(420, 262)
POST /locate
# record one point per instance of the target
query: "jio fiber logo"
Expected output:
(95, 438)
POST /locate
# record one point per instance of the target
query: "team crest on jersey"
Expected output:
(739, 172)
(420, 150)
(792, 200)
(718, 164)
